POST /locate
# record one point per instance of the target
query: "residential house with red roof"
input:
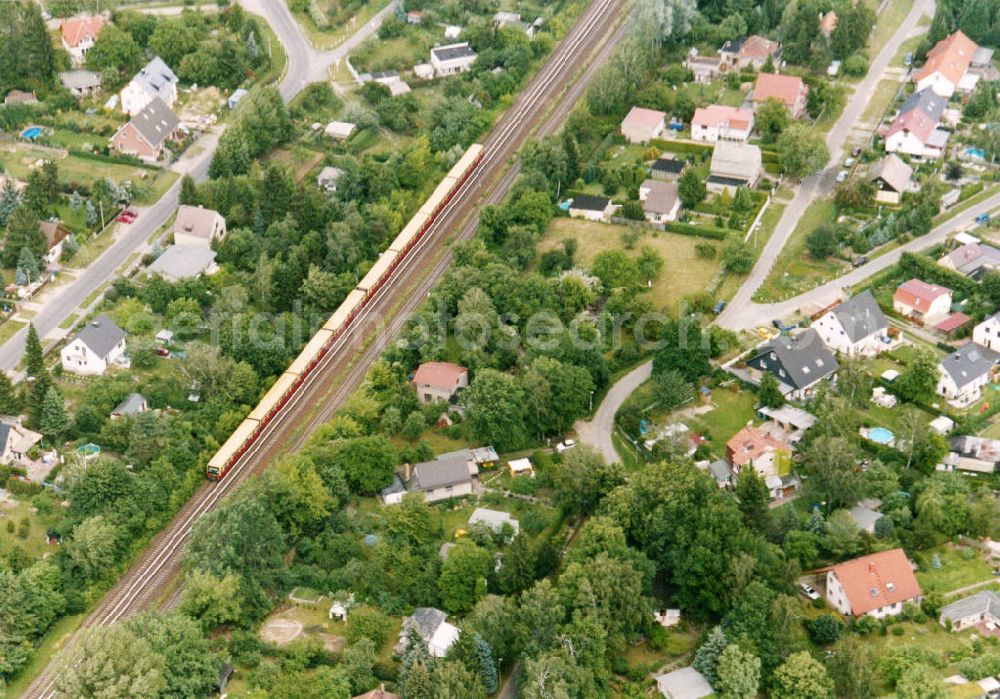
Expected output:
(643, 125)
(758, 449)
(79, 35)
(877, 585)
(787, 89)
(750, 51)
(439, 381)
(915, 130)
(946, 69)
(918, 300)
(719, 122)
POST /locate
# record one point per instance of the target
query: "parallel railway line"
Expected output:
(342, 369)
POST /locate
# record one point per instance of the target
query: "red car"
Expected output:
(127, 216)
(162, 352)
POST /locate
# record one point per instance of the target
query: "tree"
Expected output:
(211, 600)
(9, 402)
(919, 379)
(739, 673)
(769, 392)
(189, 191)
(754, 498)
(114, 54)
(920, 682)
(487, 666)
(825, 629)
(671, 389)
(823, 241)
(367, 462)
(110, 661)
(358, 661)
(841, 535)
(23, 231)
(706, 658)
(27, 60)
(771, 119)
(658, 21)
(497, 411)
(583, 479)
(27, 262)
(53, 421)
(737, 257)
(801, 677)
(33, 355)
(854, 669)
(615, 270)
(691, 189)
(463, 577)
(189, 667)
(92, 546)
(370, 623)
(802, 151)
(834, 478)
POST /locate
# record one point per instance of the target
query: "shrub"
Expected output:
(825, 629)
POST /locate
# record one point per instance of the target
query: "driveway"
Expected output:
(597, 431)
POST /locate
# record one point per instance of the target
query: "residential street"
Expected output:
(305, 65)
(597, 432)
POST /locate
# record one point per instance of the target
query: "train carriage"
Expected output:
(275, 397)
(232, 450)
(379, 271)
(345, 312)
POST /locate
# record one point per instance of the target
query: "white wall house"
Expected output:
(987, 333)
(154, 80)
(877, 585)
(99, 345)
(78, 35)
(921, 301)
(946, 65)
(718, 122)
(452, 59)
(855, 328)
(196, 225)
(963, 374)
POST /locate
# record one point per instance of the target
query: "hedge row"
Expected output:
(928, 270)
(681, 146)
(116, 159)
(698, 231)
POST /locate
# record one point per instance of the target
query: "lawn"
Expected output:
(8, 329)
(878, 103)
(888, 21)
(684, 272)
(34, 544)
(18, 159)
(794, 272)
(956, 570)
(731, 282)
(733, 410)
(340, 26)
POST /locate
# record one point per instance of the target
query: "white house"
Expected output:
(876, 585)
(719, 122)
(685, 683)
(982, 607)
(987, 333)
(339, 130)
(449, 475)
(915, 130)
(921, 301)
(439, 381)
(328, 177)
(947, 65)
(642, 125)
(196, 225)
(973, 259)
(964, 373)
(154, 80)
(100, 344)
(591, 207)
(799, 363)
(433, 628)
(452, 59)
(660, 200)
(16, 441)
(855, 328)
(79, 34)
(734, 165)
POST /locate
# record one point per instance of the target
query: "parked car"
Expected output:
(162, 352)
(719, 307)
(842, 175)
(564, 446)
(856, 151)
(809, 591)
(127, 216)
(859, 261)
(983, 219)
(849, 162)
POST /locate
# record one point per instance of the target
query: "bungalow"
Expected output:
(339, 130)
(946, 69)
(963, 373)
(55, 233)
(592, 208)
(667, 169)
(734, 165)
(513, 19)
(449, 475)
(855, 328)
(787, 422)
(494, 519)
(761, 451)
(721, 472)
(78, 35)
(974, 454)
(715, 122)
(660, 200)
(987, 333)
(787, 89)
(100, 344)
(145, 135)
(328, 177)
(179, 262)
(750, 51)
(799, 363)
(16, 441)
(915, 130)
(642, 125)
(686, 683)
(452, 59)
(81, 83)
(876, 585)
(892, 176)
(982, 607)
(234, 99)
(918, 300)
(20, 97)
(196, 225)
(439, 381)
(132, 404)
(972, 260)
(521, 467)
(705, 68)
(432, 627)
(865, 517)
(154, 80)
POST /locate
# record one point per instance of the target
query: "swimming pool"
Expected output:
(976, 153)
(881, 435)
(32, 132)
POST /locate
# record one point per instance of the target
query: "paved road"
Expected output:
(305, 65)
(742, 312)
(597, 431)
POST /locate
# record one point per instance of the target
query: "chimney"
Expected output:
(407, 472)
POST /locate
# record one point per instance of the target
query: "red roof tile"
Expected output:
(75, 30)
(877, 580)
(951, 57)
(918, 294)
(439, 374)
(786, 88)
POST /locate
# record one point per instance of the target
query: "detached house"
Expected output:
(705, 68)
(963, 373)
(892, 176)
(79, 34)
(734, 165)
(918, 300)
(450, 475)
(660, 200)
(915, 130)
(145, 135)
(55, 233)
(433, 628)
(452, 59)
(99, 345)
(718, 122)
(799, 362)
(946, 69)
(155, 80)
(758, 449)
(439, 381)
(196, 225)
(977, 609)
(591, 207)
(855, 328)
(987, 333)
(81, 83)
(642, 125)
(876, 585)
(750, 51)
(667, 169)
(787, 89)
(973, 259)
(16, 441)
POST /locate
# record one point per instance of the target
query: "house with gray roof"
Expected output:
(15, 442)
(433, 628)
(81, 83)
(154, 80)
(99, 345)
(721, 472)
(145, 135)
(799, 363)
(132, 404)
(452, 59)
(865, 517)
(184, 262)
(494, 519)
(449, 475)
(983, 607)
(963, 373)
(734, 165)
(855, 328)
(892, 176)
(973, 260)
(685, 683)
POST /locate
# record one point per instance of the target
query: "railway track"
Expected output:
(563, 77)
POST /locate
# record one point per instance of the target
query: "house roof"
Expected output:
(589, 202)
(927, 101)
(439, 375)
(155, 123)
(790, 415)
(662, 197)
(969, 259)
(981, 448)
(54, 232)
(892, 170)
(751, 443)
(755, 46)
(915, 122)
(950, 57)
(196, 221)
(154, 76)
(719, 115)
(804, 358)
(860, 316)
(77, 29)
(20, 97)
(672, 165)
(101, 335)
(453, 51)
(447, 469)
(968, 363)
(132, 404)
(982, 602)
(828, 23)
(425, 620)
(329, 174)
(786, 88)
(877, 580)
(20, 438)
(864, 517)
(953, 322)
(80, 79)
(640, 117)
(493, 518)
(183, 261)
(686, 683)
(720, 470)
(918, 294)
(740, 160)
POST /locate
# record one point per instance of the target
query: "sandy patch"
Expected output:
(280, 631)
